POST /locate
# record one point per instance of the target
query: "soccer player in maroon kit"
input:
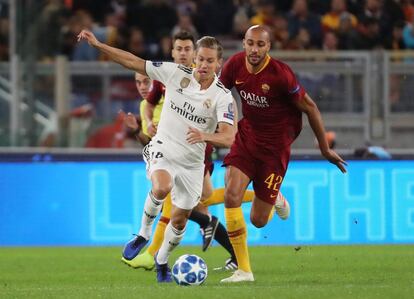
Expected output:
(272, 105)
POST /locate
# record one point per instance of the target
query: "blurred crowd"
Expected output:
(145, 27)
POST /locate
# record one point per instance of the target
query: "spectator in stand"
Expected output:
(185, 23)
(163, 53)
(300, 17)
(106, 34)
(330, 41)
(375, 9)
(408, 36)
(241, 20)
(265, 14)
(109, 136)
(48, 25)
(136, 43)
(396, 40)
(214, 17)
(346, 33)
(408, 10)
(154, 17)
(368, 37)
(302, 41)
(280, 33)
(331, 20)
(113, 135)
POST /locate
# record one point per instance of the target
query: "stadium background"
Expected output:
(64, 184)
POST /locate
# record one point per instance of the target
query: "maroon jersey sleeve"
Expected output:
(294, 91)
(156, 92)
(227, 73)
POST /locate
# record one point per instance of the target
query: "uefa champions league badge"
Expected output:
(157, 63)
(184, 82)
(230, 113)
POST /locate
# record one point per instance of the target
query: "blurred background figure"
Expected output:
(109, 136)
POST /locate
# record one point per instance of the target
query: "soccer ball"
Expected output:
(189, 270)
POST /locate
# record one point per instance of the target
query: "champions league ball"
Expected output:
(189, 270)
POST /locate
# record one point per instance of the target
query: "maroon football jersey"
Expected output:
(271, 121)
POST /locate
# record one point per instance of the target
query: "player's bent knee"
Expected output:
(231, 198)
(258, 222)
(161, 192)
(179, 223)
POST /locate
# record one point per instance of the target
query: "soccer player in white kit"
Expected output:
(197, 109)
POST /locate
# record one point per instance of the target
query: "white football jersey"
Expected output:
(186, 106)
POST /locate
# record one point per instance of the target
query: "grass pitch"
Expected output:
(280, 272)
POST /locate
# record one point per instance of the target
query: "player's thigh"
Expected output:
(187, 187)
(236, 184)
(159, 170)
(268, 180)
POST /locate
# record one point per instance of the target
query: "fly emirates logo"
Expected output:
(187, 111)
(254, 100)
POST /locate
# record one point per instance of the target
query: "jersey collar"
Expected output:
(267, 60)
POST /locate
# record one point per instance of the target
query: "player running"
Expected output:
(150, 109)
(197, 109)
(272, 106)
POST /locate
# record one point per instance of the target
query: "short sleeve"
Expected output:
(156, 93)
(295, 91)
(160, 71)
(225, 109)
(226, 75)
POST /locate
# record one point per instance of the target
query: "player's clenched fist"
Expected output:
(89, 37)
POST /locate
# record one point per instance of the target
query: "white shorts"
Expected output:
(187, 181)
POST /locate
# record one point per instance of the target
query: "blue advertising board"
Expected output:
(100, 203)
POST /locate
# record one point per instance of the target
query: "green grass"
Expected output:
(280, 272)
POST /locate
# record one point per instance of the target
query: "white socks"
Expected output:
(152, 208)
(172, 238)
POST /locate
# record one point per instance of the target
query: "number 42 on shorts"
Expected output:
(273, 181)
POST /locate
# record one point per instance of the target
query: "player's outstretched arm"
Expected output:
(309, 107)
(124, 58)
(223, 137)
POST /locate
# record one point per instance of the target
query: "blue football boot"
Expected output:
(134, 247)
(163, 271)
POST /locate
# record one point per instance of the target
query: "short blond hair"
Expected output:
(210, 43)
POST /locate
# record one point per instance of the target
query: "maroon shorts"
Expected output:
(266, 172)
(208, 161)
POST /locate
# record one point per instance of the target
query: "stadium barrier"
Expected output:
(100, 203)
(365, 96)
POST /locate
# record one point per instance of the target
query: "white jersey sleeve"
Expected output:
(225, 109)
(160, 71)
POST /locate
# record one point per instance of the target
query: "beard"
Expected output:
(255, 61)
